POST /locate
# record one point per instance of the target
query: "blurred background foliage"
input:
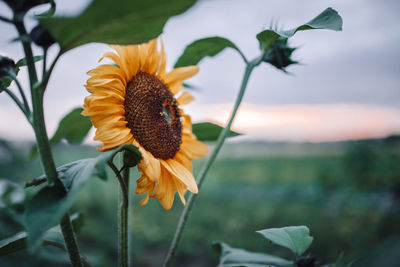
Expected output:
(347, 193)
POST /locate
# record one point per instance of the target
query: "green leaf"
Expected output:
(52, 237)
(50, 204)
(121, 22)
(7, 68)
(207, 131)
(22, 61)
(230, 257)
(6, 82)
(10, 193)
(295, 238)
(328, 19)
(202, 48)
(73, 127)
(48, 13)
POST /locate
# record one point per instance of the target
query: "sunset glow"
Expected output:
(315, 123)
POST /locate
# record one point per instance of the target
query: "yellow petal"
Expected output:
(114, 57)
(181, 173)
(181, 188)
(133, 59)
(106, 82)
(193, 148)
(144, 185)
(175, 87)
(143, 56)
(185, 98)
(163, 60)
(112, 134)
(184, 160)
(106, 71)
(165, 190)
(151, 168)
(115, 143)
(124, 62)
(154, 59)
(180, 74)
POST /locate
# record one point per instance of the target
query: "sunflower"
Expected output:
(136, 101)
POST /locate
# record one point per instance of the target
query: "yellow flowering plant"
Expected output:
(136, 105)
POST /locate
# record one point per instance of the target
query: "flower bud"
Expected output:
(279, 54)
(42, 37)
(7, 66)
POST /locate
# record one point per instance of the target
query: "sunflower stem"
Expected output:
(18, 102)
(70, 241)
(21, 92)
(123, 216)
(19, 24)
(221, 139)
(44, 63)
(39, 127)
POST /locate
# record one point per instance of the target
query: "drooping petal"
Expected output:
(144, 185)
(181, 173)
(151, 168)
(165, 190)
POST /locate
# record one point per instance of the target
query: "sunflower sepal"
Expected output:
(131, 157)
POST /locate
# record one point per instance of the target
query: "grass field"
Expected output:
(347, 194)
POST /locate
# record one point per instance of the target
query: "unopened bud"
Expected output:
(279, 54)
(42, 37)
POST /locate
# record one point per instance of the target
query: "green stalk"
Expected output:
(18, 21)
(21, 92)
(17, 101)
(42, 140)
(70, 241)
(44, 64)
(123, 217)
(221, 139)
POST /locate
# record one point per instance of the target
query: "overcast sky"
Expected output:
(346, 79)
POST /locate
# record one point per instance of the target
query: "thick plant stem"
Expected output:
(221, 139)
(43, 143)
(51, 172)
(42, 139)
(70, 241)
(19, 24)
(123, 219)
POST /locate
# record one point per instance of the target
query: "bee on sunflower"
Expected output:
(136, 101)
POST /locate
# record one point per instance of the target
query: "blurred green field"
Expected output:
(347, 194)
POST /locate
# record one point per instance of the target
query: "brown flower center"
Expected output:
(153, 116)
